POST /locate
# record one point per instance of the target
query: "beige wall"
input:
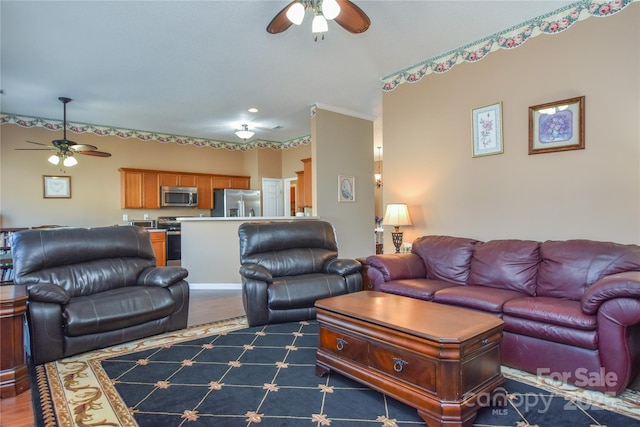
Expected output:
(592, 193)
(96, 181)
(341, 145)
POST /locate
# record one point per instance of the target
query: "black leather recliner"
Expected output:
(286, 266)
(91, 288)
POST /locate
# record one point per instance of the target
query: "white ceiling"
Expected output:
(193, 68)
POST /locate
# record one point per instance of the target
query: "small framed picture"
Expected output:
(56, 187)
(487, 130)
(557, 126)
(346, 188)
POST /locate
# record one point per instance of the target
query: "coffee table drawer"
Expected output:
(344, 345)
(404, 366)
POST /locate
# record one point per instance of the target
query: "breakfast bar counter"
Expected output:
(211, 249)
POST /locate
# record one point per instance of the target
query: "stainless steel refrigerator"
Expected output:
(236, 203)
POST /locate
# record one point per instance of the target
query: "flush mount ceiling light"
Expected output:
(244, 133)
(346, 14)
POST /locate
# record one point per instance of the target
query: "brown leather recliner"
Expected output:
(287, 266)
(91, 288)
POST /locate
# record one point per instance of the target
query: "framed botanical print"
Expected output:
(487, 130)
(557, 126)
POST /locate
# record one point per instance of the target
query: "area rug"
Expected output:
(227, 374)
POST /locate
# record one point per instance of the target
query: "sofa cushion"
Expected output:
(116, 309)
(549, 332)
(477, 297)
(506, 264)
(446, 258)
(303, 291)
(415, 288)
(569, 267)
(554, 311)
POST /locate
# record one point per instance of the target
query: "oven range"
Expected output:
(174, 248)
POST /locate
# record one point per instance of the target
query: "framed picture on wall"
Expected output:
(557, 126)
(346, 188)
(486, 124)
(56, 187)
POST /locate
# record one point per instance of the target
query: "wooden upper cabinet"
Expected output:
(130, 189)
(150, 190)
(205, 191)
(140, 188)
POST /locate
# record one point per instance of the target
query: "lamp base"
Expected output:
(396, 236)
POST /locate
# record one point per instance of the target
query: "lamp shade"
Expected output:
(296, 13)
(397, 214)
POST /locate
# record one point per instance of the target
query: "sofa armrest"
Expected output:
(47, 292)
(621, 285)
(161, 276)
(342, 266)
(256, 272)
(398, 266)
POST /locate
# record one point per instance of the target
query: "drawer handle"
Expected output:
(341, 343)
(398, 364)
(485, 341)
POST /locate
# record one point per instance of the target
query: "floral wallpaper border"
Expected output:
(55, 125)
(551, 23)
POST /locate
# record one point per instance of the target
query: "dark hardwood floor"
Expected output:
(205, 306)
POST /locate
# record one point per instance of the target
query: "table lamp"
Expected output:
(396, 214)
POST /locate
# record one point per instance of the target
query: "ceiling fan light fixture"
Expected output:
(69, 161)
(319, 24)
(296, 13)
(244, 133)
(330, 9)
(54, 159)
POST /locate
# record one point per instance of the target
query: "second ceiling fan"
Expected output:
(345, 13)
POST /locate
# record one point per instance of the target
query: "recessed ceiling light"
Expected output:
(253, 110)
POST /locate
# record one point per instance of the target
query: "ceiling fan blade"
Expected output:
(280, 22)
(79, 148)
(95, 153)
(36, 149)
(352, 18)
(38, 143)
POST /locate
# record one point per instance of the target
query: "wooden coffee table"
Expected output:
(442, 360)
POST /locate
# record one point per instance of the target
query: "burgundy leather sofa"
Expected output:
(571, 308)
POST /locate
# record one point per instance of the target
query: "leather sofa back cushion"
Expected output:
(569, 267)
(35, 250)
(261, 237)
(506, 264)
(292, 262)
(91, 277)
(446, 258)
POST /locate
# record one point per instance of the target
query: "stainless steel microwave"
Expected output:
(178, 196)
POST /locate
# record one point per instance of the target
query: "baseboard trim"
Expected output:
(215, 286)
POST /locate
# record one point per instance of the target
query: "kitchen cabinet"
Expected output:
(205, 191)
(159, 243)
(305, 198)
(140, 188)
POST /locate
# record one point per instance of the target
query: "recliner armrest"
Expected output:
(342, 266)
(47, 292)
(256, 272)
(621, 285)
(161, 276)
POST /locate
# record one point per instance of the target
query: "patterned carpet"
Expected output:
(226, 374)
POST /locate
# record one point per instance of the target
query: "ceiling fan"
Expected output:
(65, 148)
(345, 13)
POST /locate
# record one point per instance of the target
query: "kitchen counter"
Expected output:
(211, 249)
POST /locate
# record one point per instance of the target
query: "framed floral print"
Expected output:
(557, 126)
(486, 125)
